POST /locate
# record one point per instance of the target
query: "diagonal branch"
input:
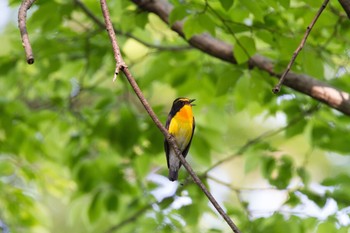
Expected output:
(120, 64)
(22, 16)
(277, 88)
(310, 86)
(346, 6)
(169, 138)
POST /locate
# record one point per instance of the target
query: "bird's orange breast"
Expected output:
(181, 126)
(185, 113)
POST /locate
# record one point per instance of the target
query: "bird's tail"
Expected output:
(173, 174)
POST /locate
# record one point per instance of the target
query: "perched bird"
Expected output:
(180, 124)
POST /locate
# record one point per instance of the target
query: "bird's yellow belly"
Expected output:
(182, 131)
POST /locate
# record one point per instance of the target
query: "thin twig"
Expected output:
(22, 16)
(277, 88)
(148, 108)
(120, 64)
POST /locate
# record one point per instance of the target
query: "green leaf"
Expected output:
(268, 165)
(254, 7)
(243, 49)
(265, 36)
(326, 227)
(319, 199)
(272, 3)
(227, 80)
(226, 4)
(293, 200)
(242, 86)
(125, 133)
(96, 208)
(197, 24)
(252, 160)
(341, 192)
(284, 3)
(178, 13)
(312, 63)
(337, 180)
(341, 195)
(296, 129)
(6, 167)
(141, 20)
(111, 201)
(285, 172)
(278, 172)
(166, 202)
(201, 150)
(327, 137)
(304, 175)
(287, 46)
(142, 164)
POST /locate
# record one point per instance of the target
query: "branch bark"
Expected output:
(22, 17)
(346, 6)
(310, 86)
(120, 64)
(122, 67)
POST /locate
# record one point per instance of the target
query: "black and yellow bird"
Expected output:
(180, 124)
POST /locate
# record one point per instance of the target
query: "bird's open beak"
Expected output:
(192, 101)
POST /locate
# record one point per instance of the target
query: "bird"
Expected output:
(180, 124)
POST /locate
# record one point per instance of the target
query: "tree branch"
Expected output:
(120, 64)
(169, 138)
(277, 88)
(312, 87)
(22, 16)
(346, 6)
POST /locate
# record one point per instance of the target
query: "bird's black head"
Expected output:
(179, 103)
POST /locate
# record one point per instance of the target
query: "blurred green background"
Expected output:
(78, 153)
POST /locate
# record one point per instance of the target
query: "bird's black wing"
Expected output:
(166, 144)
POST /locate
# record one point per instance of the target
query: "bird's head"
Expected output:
(181, 101)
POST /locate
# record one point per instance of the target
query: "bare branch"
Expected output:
(22, 17)
(277, 88)
(120, 64)
(148, 108)
(312, 87)
(346, 6)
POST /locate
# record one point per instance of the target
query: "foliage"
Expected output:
(78, 153)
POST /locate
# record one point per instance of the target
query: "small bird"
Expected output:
(180, 124)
